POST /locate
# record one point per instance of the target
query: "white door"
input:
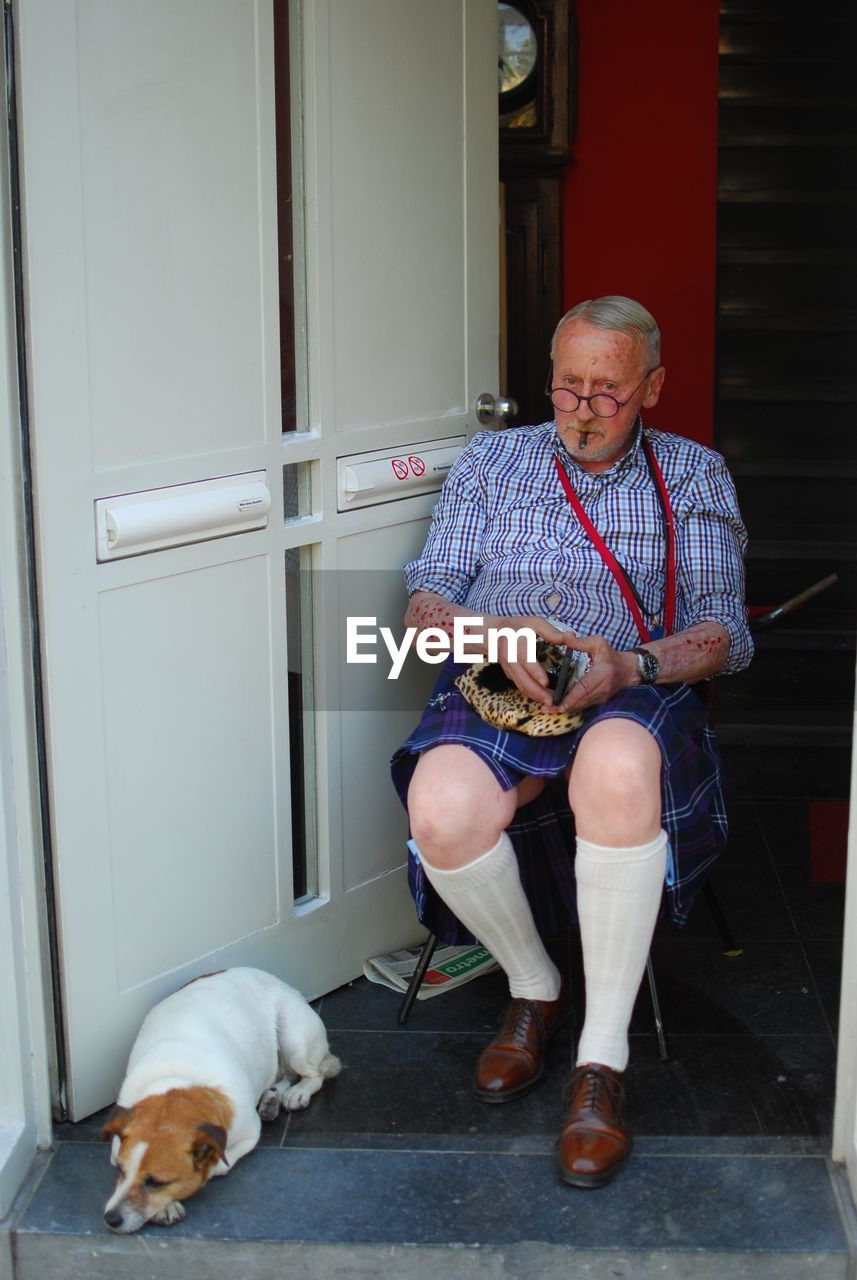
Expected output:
(150, 220)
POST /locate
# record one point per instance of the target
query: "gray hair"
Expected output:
(622, 314)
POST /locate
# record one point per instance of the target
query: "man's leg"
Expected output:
(459, 813)
(614, 794)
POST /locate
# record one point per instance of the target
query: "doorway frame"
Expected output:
(27, 1072)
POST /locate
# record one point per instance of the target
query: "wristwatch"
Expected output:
(648, 667)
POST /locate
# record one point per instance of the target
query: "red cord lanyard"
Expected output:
(622, 579)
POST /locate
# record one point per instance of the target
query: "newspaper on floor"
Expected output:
(450, 967)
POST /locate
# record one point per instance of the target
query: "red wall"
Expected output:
(647, 129)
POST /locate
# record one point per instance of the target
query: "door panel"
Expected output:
(408, 186)
(150, 225)
(377, 713)
(188, 722)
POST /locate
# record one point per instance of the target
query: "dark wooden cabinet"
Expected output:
(534, 152)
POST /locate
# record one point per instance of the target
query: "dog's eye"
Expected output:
(151, 1183)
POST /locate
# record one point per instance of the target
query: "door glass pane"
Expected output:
(288, 213)
(299, 605)
(297, 490)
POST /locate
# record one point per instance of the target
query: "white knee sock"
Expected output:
(618, 896)
(488, 899)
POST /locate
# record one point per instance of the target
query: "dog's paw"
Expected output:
(298, 1095)
(170, 1214)
(269, 1104)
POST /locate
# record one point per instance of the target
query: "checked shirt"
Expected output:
(505, 541)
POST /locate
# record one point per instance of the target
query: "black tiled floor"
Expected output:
(751, 1037)
(752, 1050)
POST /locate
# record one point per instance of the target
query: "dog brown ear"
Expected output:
(116, 1123)
(208, 1146)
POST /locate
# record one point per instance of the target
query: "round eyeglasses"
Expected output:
(602, 405)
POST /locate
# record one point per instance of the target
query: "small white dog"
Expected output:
(209, 1061)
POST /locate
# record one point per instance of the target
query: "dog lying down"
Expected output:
(209, 1064)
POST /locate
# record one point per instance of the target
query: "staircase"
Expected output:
(787, 376)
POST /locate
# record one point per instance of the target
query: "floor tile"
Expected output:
(825, 963)
(476, 1007)
(733, 1085)
(746, 844)
(397, 1084)
(785, 825)
(752, 901)
(765, 991)
(817, 910)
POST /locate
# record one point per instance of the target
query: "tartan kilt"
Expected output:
(693, 812)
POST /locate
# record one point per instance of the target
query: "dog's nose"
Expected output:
(113, 1218)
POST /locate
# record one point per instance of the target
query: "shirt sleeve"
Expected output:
(712, 541)
(450, 560)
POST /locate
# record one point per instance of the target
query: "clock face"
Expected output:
(518, 49)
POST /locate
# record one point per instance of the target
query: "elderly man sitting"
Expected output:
(625, 543)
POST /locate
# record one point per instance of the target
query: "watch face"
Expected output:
(518, 49)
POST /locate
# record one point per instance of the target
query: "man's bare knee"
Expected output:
(456, 806)
(614, 790)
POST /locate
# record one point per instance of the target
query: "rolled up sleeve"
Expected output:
(712, 542)
(450, 559)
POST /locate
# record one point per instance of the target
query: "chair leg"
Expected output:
(416, 979)
(730, 946)
(656, 1006)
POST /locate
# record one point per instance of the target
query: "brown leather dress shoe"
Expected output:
(594, 1143)
(515, 1059)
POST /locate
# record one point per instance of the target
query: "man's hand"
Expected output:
(610, 672)
(530, 677)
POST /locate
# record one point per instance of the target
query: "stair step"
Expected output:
(819, 509)
(783, 688)
(792, 293)
(757, 51)
(736, 136)
(484, 1208)
(731, 733)
(785, 116)
(789, 196)
(755, 356)
(811, 172)
(788, 768)
(788, 707)
(790, 224)
(814, 41)
(802, 468)
(832, 321)
(787, 634)
(834, 390)
(832, 98)
(808, 256)
(785, 550)
(786, 11)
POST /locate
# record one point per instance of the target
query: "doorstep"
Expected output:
(765, 1208)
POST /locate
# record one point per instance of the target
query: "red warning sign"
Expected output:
(418, 466)
(400, 467)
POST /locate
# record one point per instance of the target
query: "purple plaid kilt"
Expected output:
(542, 832)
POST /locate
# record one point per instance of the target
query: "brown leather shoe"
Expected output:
(594, 1143)
(515, 1059)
